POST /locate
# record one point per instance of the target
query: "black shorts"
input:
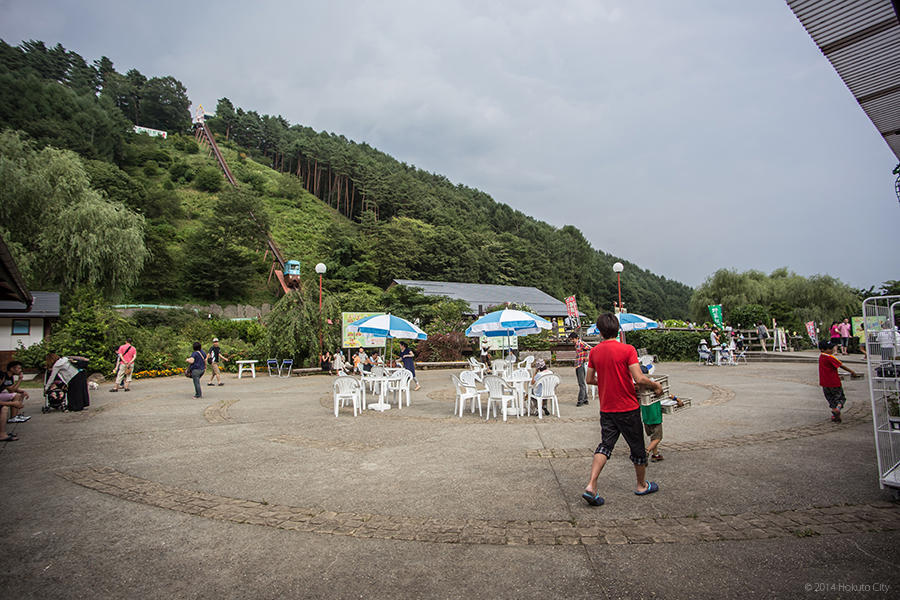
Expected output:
(835, 397)
(629, 425)
(844, 342)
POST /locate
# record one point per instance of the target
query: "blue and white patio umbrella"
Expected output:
(388, 326)
(508, 321)
(628, 322)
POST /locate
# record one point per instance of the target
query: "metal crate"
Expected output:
(883, 365)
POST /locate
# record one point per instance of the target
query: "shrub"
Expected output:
(151, 168)
(209, 179)
(186, 144)
(667, 345)
(443, 347)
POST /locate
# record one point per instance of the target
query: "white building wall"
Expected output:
(8, 341)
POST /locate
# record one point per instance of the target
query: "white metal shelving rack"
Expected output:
(883, 363)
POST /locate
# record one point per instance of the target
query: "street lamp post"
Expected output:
(618, 268)
(320, 269)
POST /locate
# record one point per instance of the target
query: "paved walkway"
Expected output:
(257, 491)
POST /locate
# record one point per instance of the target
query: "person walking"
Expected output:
(196, 367)
(125, 356)
(213, 357)
(408, 357)
(763, 334)
(581, 356)
(830, 380)
(615, 369)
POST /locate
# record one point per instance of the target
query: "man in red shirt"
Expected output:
(614, 368)
(830, 380)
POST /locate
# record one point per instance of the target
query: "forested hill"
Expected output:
(386, 220)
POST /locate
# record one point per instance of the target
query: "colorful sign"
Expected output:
(350, 339)
(715, 311)
(811, 331)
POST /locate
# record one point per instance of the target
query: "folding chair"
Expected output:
(272, 367)
(286, 365)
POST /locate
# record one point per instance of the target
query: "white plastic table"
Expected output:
(519, 387)
(381, 381)
(247, 365)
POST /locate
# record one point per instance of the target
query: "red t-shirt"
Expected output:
(828, 371)
(610, 359)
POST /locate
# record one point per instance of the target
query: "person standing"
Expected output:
(844, 328)
(125, 356)
(763, 334)
(615, 369)
(196, 367)
(214, 356)
(408, 358)
(581, 356)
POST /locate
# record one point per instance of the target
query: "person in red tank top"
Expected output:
(614, 368)
(830, 380)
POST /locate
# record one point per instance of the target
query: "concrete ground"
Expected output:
(258, 491)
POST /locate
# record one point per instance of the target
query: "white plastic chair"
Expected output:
(477, 367)
(498, 394)
(398, 383)
(547, 384)
(470, 382)
(346, 388)
(498, 367)
(465, 392)
(377, 371)
(525, 364)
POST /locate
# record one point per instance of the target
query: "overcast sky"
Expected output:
(683, 136)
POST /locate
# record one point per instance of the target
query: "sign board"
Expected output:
(351, 339)
(499, 342)
(150, 132)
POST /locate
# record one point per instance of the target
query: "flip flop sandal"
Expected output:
(592, 499)
(651, 487)
(10, 438)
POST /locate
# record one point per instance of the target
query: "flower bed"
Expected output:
(157, 373)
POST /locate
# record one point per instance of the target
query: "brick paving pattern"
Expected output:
(828, 520)
(857, 413)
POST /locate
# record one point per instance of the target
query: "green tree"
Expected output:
(209, 179)
(165, 104)
(294, 324)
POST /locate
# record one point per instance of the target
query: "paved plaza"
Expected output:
(258, 491)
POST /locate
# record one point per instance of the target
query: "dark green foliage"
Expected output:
(163, 203)
(209, 179)
(220, 258)
(293, 327)
(185, 143)
(116, 183)
(748, 315)
(88, 329)
(160, 275)
(667, 345)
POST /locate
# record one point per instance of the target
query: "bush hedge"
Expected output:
(667, 345)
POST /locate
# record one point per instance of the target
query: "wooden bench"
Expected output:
(565, 356)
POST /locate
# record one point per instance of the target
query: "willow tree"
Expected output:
(295, 322)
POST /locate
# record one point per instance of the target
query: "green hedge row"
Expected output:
(667, 345)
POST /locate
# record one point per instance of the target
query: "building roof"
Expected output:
(46, 304)
(480, 296)
(861, 39)
(12, 288)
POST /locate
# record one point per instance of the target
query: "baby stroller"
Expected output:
(62, 395)
(55, 394)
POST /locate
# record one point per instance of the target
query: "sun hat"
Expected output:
(215, 339)
(539, 364)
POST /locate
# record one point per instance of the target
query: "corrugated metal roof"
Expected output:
(480, 296)
(46, 304)
(861, 39)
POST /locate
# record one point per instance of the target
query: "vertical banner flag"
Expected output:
(572, 310)
(811, 331)
(715, 311)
